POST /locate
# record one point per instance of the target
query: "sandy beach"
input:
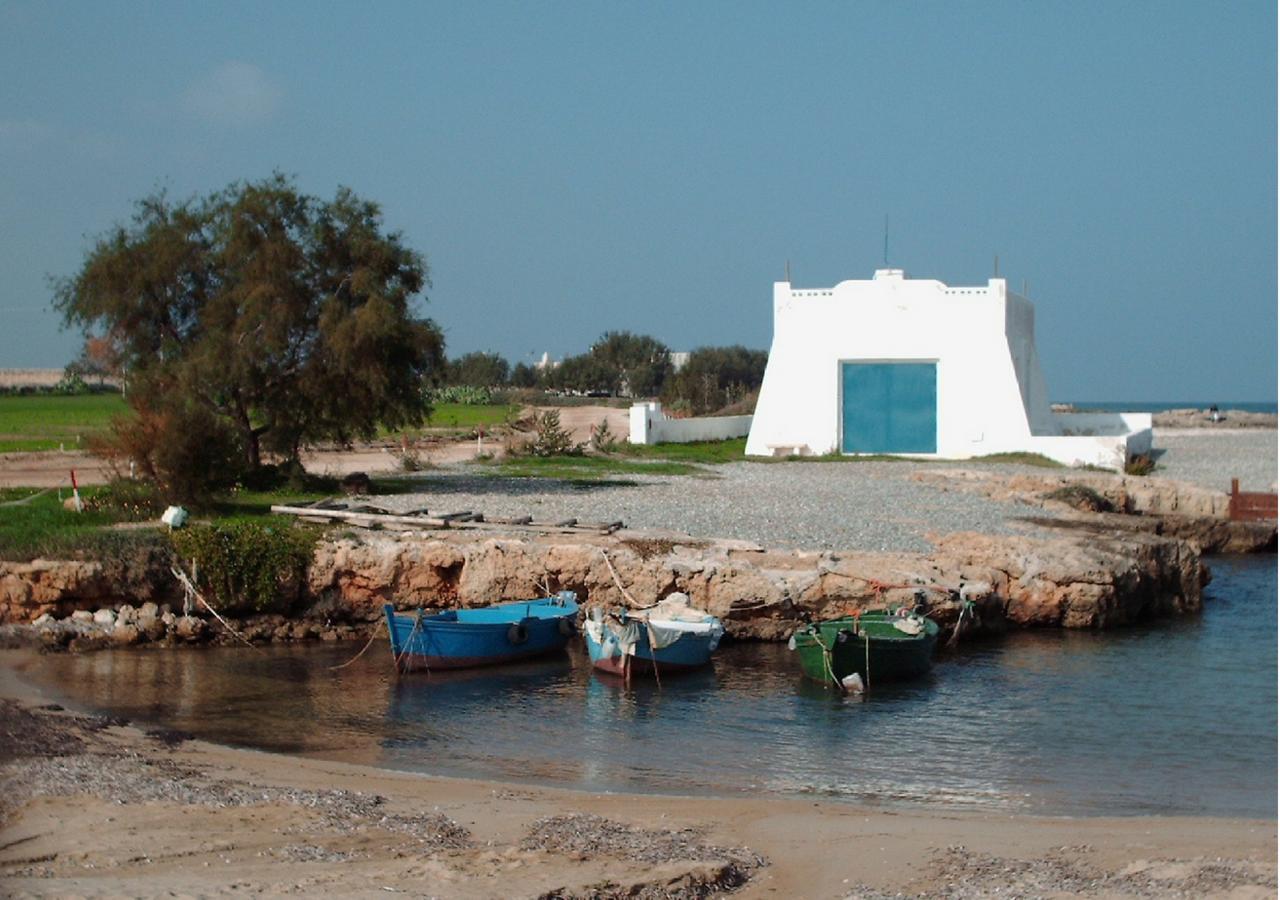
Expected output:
(96, 807)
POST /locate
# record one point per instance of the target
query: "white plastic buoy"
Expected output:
(174, 517)
(852, 683)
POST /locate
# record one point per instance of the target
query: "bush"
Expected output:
(463, 394)
(125, 500)
(551, 438)
(185, 451)
(248, 566)
(603, 440)
(1139, 464)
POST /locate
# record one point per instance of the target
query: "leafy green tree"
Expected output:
(478, 370)
(524, 375)
(272, 317)
(715, 377)
(641, 363)
(585, 373)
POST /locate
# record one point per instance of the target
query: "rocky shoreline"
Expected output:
(1093, 551)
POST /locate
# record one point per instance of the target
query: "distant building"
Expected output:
(914, 367)
(679, 359)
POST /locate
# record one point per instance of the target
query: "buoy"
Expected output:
(852, 683)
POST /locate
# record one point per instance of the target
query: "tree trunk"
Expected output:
(252, 446)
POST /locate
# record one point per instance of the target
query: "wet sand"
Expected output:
(93, 807)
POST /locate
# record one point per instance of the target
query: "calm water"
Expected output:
(1178, 717)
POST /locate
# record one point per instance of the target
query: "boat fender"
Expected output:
(518, 633)
(791, 643)
(568, 626)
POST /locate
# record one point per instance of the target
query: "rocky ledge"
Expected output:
(1073, 579)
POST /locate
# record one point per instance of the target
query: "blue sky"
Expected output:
(569, 168)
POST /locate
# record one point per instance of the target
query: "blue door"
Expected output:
(889, 408)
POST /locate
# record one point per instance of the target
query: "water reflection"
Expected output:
(1178, 717)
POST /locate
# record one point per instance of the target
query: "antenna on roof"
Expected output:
(788, 271)
(886, 240)
(1024, 288)
(997, 275)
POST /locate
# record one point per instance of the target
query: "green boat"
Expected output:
(877, 645)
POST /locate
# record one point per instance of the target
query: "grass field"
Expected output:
(588, 468)
(39, 422)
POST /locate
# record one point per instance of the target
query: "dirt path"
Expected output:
(53, 468)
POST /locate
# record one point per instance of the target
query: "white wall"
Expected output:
(650, 425)
(991, 394)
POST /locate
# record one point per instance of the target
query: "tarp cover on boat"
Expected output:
(664, 622)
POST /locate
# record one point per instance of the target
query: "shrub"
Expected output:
(603, 439)
(248, 566)
(122, 499)
(551, 438)
(1139, 464)
(185, 451)
(463, 394)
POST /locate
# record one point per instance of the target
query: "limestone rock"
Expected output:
(189, 628)
(104, 617)
(82, 615)
(126, 634)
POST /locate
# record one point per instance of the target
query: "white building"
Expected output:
(913, 367)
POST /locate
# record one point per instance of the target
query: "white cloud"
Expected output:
(235, 93)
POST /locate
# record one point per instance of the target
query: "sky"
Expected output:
(574, 168)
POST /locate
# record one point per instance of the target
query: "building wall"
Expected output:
(968, 332)
(991, 395)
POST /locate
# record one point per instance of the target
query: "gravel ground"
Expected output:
(1212, 458)
(869, 506)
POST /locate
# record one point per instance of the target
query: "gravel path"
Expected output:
(1212, 458)
(871, 506)
(811, 506)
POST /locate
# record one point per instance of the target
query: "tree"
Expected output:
(478, 370)
(715, 377)
(99, 358)
(641, 363)
(281, 318)
(524, 375)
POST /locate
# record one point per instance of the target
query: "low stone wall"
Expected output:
(650, 425)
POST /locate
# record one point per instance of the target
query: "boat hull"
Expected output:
(690, 651)
(489, 636)
(833, 650)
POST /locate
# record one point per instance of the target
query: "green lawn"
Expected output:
(43, 527)
(41, 422)
(587, 468)
(466, 416)
(701, 452)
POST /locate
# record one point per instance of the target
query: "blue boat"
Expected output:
(669, 637)
(486, 636)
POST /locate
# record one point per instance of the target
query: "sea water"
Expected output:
(1174, 717)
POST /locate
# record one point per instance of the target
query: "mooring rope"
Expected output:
(616, 580)
(376, 631)
(190, 591)
(409, 643)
